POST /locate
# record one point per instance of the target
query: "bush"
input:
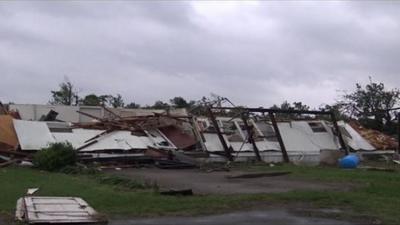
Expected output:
(55, 157)
(79, 169)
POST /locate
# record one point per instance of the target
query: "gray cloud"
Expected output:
(255, 53)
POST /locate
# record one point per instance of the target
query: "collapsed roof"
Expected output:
(103, 130)
(69, 113)
(300, 136)
(35, 135)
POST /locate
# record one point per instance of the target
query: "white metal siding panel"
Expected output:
(298, 136)
(356, 142)
(117, 140)
(32, 135)
(78, 136)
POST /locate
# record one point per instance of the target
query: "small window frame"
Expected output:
(317, 127)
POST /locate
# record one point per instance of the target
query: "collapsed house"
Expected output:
(138, 135)
(103, 134)
(302, 139)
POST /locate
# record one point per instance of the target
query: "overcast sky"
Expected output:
(254, 53)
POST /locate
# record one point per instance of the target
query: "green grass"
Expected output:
(376, 194)
(107, 198)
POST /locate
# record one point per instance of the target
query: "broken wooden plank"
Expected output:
(257, 175)
(8, 163)
(279, 137)
(183, 192)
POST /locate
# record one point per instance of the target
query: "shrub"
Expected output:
(55, 157)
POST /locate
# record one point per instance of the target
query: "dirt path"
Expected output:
(273, 217)
(218, 183)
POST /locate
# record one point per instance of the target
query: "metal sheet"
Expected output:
(32, 135)
(121, 140)
(159, 140)
(212, 142)
(298, 136)
(354, 139)
(58, 210)
(77, 137)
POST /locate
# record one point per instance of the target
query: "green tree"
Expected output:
(160, 105)
(179, 102)
(92, 100)
(132, 105)
(105, 99)
(370, 105)
(65, 95)
(295, 106)
(300, 106)
(335, 108)
(116, 101)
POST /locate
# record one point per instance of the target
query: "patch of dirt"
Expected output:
(218, 183)
(276, 216)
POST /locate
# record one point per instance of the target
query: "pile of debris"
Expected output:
(9, 142)
(114, 139)
(378, 139)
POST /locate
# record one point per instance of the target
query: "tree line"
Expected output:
(370, 104)
(67, 95)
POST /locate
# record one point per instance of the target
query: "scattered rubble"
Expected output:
(378, 139)
(183, 192)
(32, 191)
(257, 175)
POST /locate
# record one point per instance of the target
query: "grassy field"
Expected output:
(377, 194)
(106, 198)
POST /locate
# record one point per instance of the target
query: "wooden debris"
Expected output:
(184, 192)
(172, 164)
(371, 168)
(257, 175)
(8, 163)
(376, 138)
